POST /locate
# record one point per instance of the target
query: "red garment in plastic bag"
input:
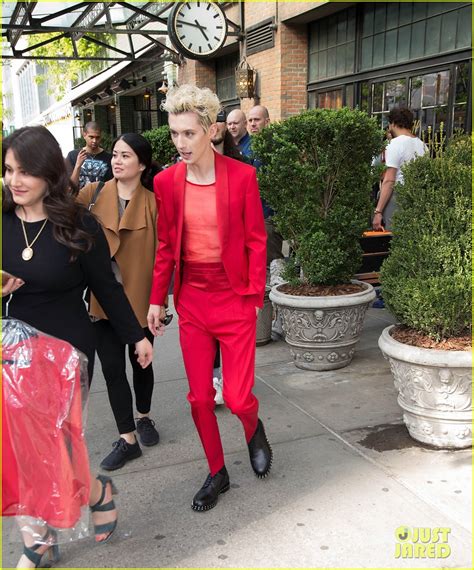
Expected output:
(45, 471)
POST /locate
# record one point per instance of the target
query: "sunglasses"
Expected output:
(221, 116)
(167, 320)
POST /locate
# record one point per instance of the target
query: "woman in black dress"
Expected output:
(55, 248)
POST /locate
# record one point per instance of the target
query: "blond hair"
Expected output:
(192, 99)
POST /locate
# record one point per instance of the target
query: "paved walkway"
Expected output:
(346, 475)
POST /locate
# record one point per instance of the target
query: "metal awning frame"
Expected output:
(23, 22)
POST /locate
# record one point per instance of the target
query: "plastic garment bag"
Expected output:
(45, 475)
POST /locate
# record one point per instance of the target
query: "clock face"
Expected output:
(197, 29)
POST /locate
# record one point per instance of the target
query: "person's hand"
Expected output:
(81, 157)
(155, 314)
(377, 223)
(144, 352)
(11, 285)
(257, 310)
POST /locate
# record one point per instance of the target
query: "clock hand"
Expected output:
(191, 24)
(202, 28)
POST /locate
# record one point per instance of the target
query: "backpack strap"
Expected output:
(96, 195)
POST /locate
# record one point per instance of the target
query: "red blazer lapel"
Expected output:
(178, 193)
(222, 197)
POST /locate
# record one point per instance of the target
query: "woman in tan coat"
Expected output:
(127, 212)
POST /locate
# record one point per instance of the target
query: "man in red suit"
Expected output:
(211, 232)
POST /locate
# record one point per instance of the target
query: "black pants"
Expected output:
(217, 358)
(274, 242)
(111, 353)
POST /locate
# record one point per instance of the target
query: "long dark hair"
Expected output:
(142, 148)
(40, 155)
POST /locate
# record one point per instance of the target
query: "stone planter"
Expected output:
(322, 331)
(435, 392)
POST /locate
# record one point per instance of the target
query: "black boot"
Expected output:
(206, 497)
(261, 454)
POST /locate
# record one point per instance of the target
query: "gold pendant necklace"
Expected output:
(27, 253)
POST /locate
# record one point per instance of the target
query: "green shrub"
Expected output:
(426, 279)
(316, 175)
(160, 140)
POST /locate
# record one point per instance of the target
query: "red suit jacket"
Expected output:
(240, 224)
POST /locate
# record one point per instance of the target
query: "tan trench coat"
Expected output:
(132, 242)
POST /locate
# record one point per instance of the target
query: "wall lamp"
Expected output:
(245, 79)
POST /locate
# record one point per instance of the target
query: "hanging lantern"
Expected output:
(245, 77)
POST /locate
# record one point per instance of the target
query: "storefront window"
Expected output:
(385, 96)
(332, 46)
(349, 102)
(461, 98)
(429, 90)
(330, 99)
(364, 96)
(429, 95)
(393, 32)
(409, 43)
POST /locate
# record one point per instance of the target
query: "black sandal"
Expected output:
(100, 508)
(52, 551)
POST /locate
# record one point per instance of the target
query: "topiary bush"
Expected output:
(160, 140)
(426, 279)
(316, 175)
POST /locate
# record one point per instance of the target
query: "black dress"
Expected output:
(51, 298)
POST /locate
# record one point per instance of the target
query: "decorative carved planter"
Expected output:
(435, 392)
(322, 331)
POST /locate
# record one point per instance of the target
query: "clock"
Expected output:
(197, 29)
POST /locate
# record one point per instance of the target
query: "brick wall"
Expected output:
(200, 73)
(282, 71)
(291, 9)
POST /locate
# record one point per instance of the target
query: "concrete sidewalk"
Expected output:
(346, 475)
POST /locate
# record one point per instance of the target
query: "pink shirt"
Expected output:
(200, 235)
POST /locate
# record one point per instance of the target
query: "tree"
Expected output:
(60, 73)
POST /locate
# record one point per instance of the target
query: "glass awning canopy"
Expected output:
(142, 24)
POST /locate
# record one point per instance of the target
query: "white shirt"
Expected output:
(402, 149)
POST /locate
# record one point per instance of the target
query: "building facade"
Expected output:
(374, 55)
(371, 55)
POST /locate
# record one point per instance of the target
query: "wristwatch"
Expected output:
(377, 212)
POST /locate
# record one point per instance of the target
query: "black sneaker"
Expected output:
(120, 454)
(148, 433)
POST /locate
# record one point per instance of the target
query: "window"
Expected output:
(332, 98)
(385, 96)
(394, 32)
(225, 78)
(429, 95)
(142, 114)
(332, 46)
(397, 54)
(461, 98)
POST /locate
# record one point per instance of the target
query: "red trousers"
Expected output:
(208, 309)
